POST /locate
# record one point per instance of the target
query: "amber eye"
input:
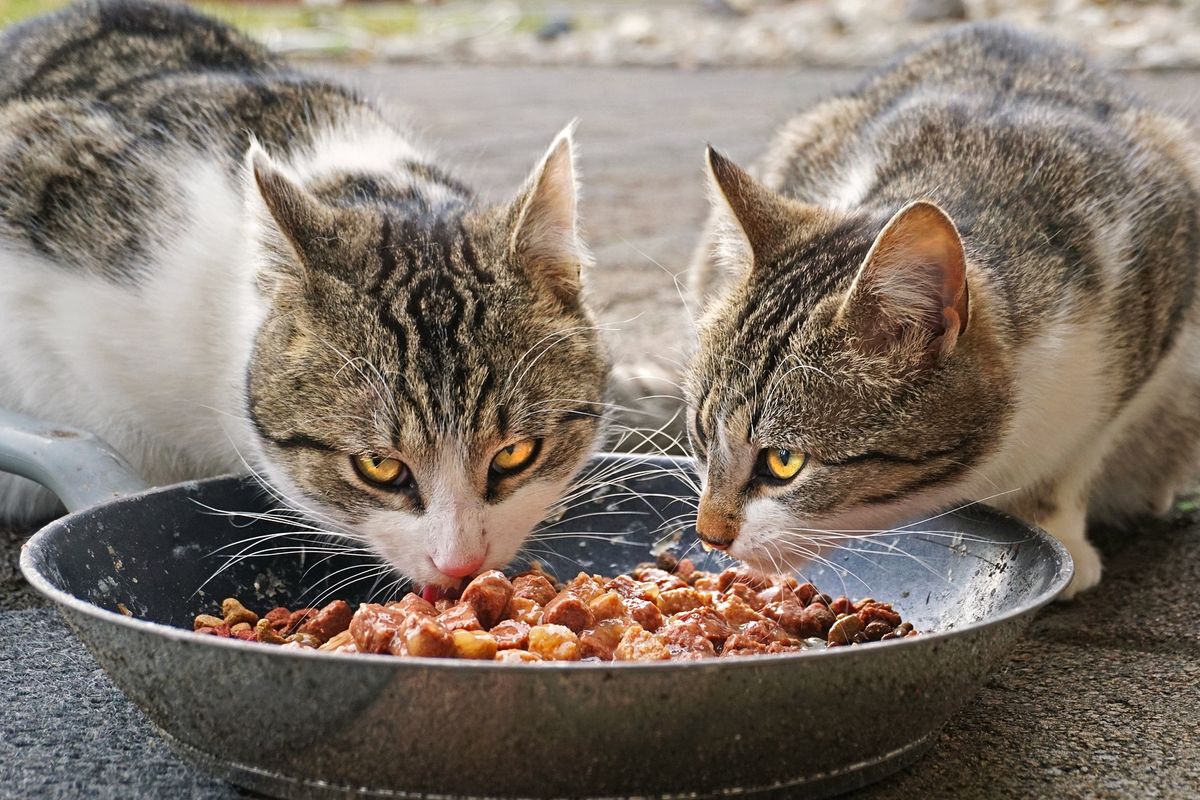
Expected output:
(382, 471)
(515, 457)
(780, 464)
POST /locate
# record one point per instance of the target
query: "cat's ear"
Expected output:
(912, 286)
(291, 221)
(545, 239)
(753, 222)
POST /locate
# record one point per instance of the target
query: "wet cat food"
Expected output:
(658, 612)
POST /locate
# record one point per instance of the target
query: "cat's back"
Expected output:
(117, 115)
(99, 49)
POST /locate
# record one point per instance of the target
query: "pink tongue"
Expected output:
(433, 593)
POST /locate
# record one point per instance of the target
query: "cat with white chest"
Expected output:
(972, 279)
(213, 261)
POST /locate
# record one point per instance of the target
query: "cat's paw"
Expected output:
(1088, 568)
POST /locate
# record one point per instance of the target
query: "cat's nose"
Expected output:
(714, 526)
(460, 569)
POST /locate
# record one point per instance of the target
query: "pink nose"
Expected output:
(460, 569)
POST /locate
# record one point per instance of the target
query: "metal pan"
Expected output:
(301, 724)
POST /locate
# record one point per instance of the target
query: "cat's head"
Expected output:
(427, 378)
(847, 377)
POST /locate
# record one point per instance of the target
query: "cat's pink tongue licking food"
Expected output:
(434, 593)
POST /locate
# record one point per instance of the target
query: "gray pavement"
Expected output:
(1102, 698)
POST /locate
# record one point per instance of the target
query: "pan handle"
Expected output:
(79, 467)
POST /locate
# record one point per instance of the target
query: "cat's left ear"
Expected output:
(913, 284)
(545, 239)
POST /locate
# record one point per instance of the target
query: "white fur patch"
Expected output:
(156, 369)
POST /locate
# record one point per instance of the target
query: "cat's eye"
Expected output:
(515, 457)
(390, 472)
(779, 463)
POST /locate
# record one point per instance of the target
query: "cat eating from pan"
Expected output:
(207, 258)
(972, 279)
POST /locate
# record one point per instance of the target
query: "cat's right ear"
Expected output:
(292, 225)
(545, 238)
(753, 223)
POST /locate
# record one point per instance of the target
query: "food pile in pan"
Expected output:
(658, 612)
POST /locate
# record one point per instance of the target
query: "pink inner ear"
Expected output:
(916, 272)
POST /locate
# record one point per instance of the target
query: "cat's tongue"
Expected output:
(434, 593)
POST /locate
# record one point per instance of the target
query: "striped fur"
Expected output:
(1071, 393)
(206, 257)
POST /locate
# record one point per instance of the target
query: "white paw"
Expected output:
(1087, 568)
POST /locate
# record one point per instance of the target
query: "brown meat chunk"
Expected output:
(585, 587)
(423, 637)
(741, 575)
(298, 618)
(489, 594)
(870, 612)
(607, 606)
(554, 643)
(373, 627)
(638, 644)
(764, 631)
(660, 578)
(524, 610)
(708, 622)
(570, 610)
(754, 598)
(535, 588)
(673, 601)
(686, 641)
(789, 614)
(511, 635)
(460, 617)
(414, 604)
(278, 618)
(601, 642)
(737, 611)
(644, 613)
(331, 620)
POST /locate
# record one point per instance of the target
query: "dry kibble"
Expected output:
(650, 614)
(207, 621)
(234, 612)
(304, 640)
(265, 632)
(845, 629)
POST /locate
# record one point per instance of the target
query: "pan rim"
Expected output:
(32, 550)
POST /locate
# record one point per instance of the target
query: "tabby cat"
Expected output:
(972, 278)
(206, 257)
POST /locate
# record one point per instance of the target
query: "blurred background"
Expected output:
(1154, 34)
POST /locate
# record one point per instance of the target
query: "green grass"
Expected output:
(381, 19)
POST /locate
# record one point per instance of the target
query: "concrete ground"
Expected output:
(1102, 698)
